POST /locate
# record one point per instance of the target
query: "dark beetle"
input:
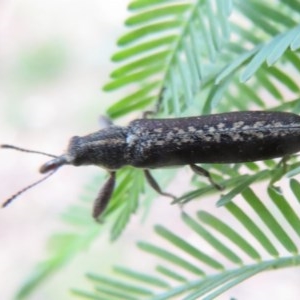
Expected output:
(155, 143)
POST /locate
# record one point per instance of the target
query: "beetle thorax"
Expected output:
(104, 148)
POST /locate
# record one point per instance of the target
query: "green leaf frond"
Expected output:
(172, 45)
(241, 248)
(200, 52)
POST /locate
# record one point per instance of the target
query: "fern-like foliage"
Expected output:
(207, 56)
(173, 45)
(186, 271)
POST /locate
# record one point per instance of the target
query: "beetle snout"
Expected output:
(53, 164)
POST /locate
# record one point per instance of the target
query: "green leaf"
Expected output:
(228, 232)
(150, 15)
(285, 208)
(187, 248)
(167, 255)
(156, 58)
(209, 237)
(135, 5)
(101, 280)
(295, 186)
(171, 274)
(144, 47)
(147, 279)
(137, 34)
(282, 45)
(252, 228)
(132, 78)
(269, 220)
(244, 184)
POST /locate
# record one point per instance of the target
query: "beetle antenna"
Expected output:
(51, 168)
(26, 150)
(9, 200)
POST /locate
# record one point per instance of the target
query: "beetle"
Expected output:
(232, 137)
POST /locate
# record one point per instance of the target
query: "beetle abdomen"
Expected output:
(221, 138)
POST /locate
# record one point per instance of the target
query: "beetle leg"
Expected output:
(283, 162)
(104, 122)
(152, 182)
(280, 170)
(200, 171)
(148, 113)
(104, 196)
